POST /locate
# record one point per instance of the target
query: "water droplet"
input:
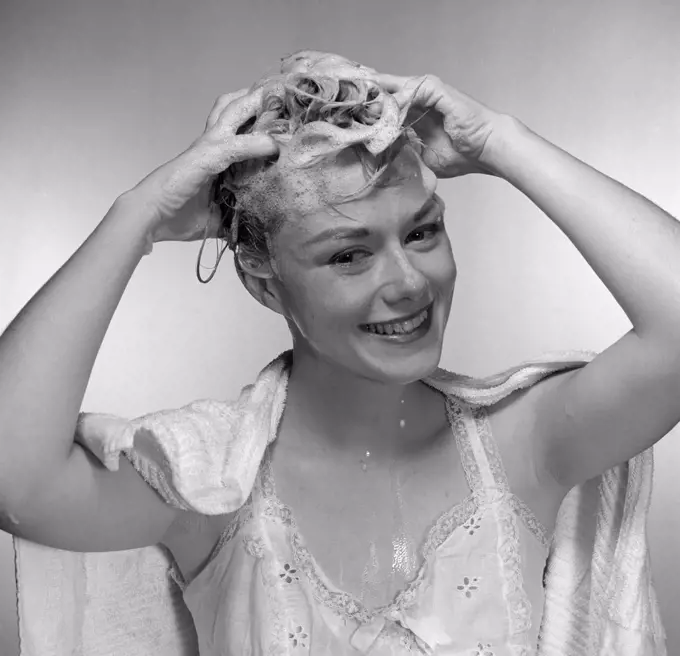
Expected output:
(402, 423)
(363, 466)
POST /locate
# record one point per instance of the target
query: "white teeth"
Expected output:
(403, 328)
(419, 319)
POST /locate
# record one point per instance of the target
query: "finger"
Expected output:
(220, 104)
(251, 146)
(391, 83)
(409, 91)
(239, 110)
(219, 152)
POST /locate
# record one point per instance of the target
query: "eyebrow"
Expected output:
(338, 234)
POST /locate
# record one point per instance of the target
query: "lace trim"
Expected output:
(243, 515)
(518, 604)
(493, 455)
(277, 614)
(533, 524)
(345, 603)
(393, 632)
(265, 482)
(456, 417)
(514, 594)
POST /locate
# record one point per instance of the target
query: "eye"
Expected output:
(426, 232)
(347, 258)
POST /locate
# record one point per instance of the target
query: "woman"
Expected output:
(351, 250)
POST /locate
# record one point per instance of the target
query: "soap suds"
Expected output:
(337, 135)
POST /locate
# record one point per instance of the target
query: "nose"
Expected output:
(405, 280)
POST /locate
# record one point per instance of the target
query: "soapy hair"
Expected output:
(294, 101)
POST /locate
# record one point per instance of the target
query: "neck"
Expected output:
(330, 408)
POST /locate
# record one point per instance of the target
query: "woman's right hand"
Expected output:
(176, 196)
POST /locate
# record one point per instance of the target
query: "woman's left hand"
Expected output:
(454, 128)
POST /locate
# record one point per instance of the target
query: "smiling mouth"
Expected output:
(405, 326)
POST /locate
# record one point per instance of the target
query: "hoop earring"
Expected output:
(220, 253)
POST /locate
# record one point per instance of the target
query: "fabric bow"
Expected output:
(427, 631)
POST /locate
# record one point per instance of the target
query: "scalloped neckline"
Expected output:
(428, 545)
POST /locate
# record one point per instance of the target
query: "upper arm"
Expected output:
(607, 412)
(86, 507)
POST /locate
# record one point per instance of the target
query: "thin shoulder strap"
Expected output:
(476, 445)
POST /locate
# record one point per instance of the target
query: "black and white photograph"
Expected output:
(339, 327)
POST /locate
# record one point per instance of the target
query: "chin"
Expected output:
(403, 360)
(405, 370)
(402, 365)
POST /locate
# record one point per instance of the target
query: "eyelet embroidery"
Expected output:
(349, 606)
(289, 574)
(278, 612)
(483, 650)
(516, 598)
(469, 585)
(298, 638)
(448, 523)
(472, 524)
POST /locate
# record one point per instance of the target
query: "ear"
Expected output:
(261, 282)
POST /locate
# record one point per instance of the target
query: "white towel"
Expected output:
(599, 599)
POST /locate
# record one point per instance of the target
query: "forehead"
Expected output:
(408, 184)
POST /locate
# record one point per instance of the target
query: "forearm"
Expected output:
(47, 353)
(632, 245)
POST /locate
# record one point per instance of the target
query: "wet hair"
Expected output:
(289, 103)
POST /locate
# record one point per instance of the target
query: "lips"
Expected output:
(401, 326)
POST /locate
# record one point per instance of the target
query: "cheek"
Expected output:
(450, 270)
(317, 306)
(440, 265)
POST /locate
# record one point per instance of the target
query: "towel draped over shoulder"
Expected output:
(599, 594)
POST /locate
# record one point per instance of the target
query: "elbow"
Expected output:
(21, 483)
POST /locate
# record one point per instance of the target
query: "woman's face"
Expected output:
(370, 291)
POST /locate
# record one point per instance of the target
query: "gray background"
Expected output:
(96, 94)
